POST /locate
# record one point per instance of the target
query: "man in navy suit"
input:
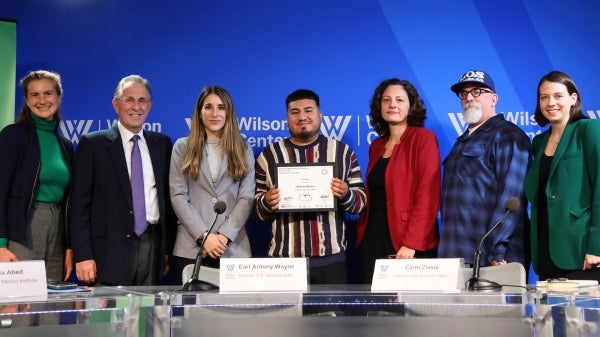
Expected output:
(106, 248)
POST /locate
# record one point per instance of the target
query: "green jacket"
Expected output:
(572, 193)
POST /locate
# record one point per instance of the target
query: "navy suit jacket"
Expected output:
(19, 170)
(101, 207)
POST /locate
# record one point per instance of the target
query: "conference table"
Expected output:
(335, 310)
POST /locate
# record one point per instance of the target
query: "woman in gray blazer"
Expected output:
(213, 163)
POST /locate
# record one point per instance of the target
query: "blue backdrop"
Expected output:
(261, 50)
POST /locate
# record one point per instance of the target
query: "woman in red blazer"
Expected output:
(403, 180)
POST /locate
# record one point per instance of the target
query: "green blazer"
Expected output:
(572, 194)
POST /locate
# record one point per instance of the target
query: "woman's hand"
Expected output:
(215, 245)
(7, 256)
(405, 253)
(591, 262)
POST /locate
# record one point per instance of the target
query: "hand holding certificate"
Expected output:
(305, 187)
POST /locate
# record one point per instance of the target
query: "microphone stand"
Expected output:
(195, 284)
(475, 283)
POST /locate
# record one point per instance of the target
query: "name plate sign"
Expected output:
(22, 279)
(417, 274)
(263, 275)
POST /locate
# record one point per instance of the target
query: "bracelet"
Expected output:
(201, 238)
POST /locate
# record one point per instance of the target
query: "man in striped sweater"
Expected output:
(318, 235)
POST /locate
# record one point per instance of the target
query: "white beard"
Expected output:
(472, 112)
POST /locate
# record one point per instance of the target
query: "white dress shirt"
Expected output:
(150, 193)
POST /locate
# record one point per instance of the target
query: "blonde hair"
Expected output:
(232, 144)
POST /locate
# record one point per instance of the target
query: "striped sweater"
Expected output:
(309, 234)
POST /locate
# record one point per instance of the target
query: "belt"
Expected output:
(46, 204)
(151, 227)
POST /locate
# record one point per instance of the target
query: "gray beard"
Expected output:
(472, 113)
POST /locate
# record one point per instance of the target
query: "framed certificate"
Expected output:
(305, 187)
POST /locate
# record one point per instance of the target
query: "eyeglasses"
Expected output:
(476, 92)
(131, 101)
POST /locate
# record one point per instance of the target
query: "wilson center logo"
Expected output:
(74, 129)
(335, 126)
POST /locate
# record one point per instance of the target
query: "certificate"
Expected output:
(305, 187)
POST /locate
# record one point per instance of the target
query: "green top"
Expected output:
(54, 176)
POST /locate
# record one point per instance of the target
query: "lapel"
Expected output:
(154, 151)
(542, 145)
(157, 156)
(205, 169)
(532, 178)
(117, 155)
(565, 141)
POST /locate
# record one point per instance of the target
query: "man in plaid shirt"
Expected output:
(485, 167)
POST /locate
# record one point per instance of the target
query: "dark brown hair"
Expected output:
(416, 112)
(576, 112)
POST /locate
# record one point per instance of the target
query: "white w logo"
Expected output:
(335, 126)
(594, 114)
(458, 122)
(74, 129)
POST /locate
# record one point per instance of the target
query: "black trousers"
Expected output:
(144, 260)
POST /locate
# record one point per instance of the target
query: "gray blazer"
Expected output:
(193, 202)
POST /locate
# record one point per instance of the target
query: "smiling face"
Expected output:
(133, 106)
(304, 121)
(42, 98)
(395, 105)
(214, 115)
(555, 102)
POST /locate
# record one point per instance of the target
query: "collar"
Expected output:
(126, 134)
(490, 123)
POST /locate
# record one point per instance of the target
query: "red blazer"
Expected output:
(413, 183)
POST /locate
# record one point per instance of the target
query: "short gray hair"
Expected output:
(128, 79)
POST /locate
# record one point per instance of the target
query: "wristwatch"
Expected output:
(201, 238)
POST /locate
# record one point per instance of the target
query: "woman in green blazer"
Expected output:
(563, 184)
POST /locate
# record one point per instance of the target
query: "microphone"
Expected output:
(475, 283)
(194, 284)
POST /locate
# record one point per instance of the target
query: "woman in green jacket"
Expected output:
(563, 184)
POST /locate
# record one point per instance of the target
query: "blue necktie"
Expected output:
(137, 188)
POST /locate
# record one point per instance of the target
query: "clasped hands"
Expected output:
(215, 245)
